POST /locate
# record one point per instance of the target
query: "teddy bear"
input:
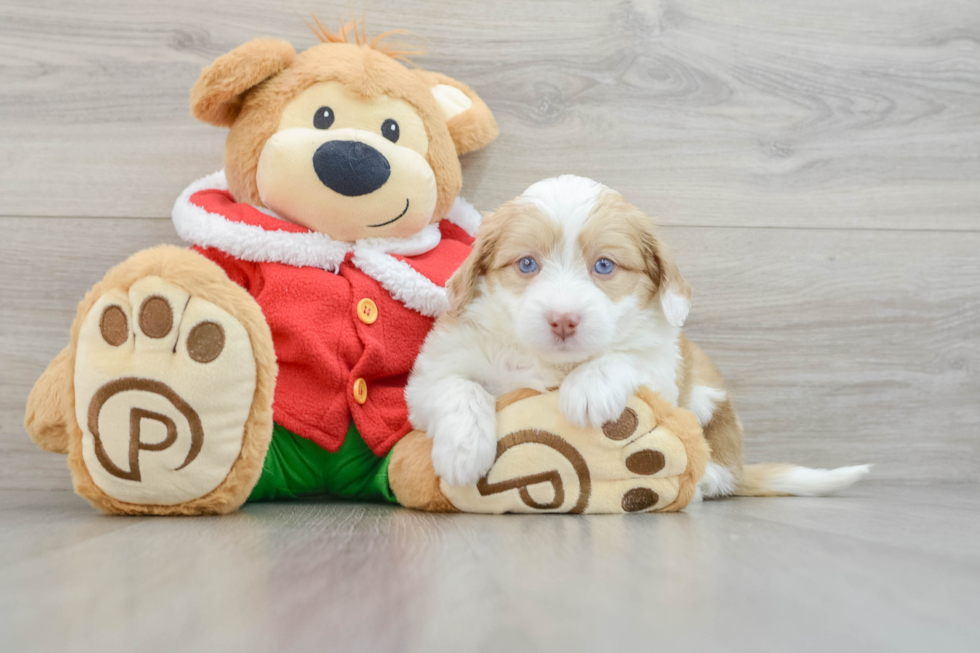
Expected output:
(268, 361)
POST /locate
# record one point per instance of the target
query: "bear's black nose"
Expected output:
(351, 168)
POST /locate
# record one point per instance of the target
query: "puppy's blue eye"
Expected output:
(603, 266)
(528, 265)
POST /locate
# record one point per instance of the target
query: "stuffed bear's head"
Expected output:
(341, 138)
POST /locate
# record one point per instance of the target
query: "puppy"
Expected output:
(569, 287)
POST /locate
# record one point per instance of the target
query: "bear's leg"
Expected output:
(170, 376)
(412, 477)
(49, 405)
(649, 460)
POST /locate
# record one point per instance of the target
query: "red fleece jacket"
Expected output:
(324, 348)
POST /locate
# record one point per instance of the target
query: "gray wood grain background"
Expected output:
(817, 168)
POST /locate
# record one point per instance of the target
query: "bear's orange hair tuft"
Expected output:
(399, 51)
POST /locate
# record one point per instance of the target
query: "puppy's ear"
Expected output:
(470, 122)
(220, 90)
(673, 291)
(463, 284)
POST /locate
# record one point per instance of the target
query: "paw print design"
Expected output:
(649, 460)
(163, 384)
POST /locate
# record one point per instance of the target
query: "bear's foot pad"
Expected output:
(164, 383)
(650, 459)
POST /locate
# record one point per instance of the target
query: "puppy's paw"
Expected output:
(464, 435)
(596, 393)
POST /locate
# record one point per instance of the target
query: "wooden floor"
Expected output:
(817, 170)
(888, 568)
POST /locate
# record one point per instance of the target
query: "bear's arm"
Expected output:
(246, 274)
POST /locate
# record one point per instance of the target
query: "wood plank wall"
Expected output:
(816, 167)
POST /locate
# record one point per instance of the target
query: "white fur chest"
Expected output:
(658, 370)
(512, 369)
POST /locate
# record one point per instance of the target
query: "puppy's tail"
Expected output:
(781, 480)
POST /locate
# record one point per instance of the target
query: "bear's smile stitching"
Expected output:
(394, 219)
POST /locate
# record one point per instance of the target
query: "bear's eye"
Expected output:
(323, 118)
(389, 129)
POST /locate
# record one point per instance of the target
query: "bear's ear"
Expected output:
(220, 90)
(470, 122)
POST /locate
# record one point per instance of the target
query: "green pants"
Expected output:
(296, 467)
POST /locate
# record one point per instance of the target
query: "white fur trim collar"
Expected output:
(463, 215)
(403, 282)
(311, 249)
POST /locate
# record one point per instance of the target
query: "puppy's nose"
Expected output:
(563, 324)
(351, 168)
